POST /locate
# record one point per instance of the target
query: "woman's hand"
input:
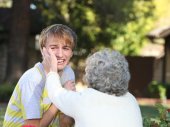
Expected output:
(70, 85)
(49, 60)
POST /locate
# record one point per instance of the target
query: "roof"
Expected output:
(161, 32)
(152, 49)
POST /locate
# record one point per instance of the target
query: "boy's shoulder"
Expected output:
(68, 69)
(34, 74)
(68, 74)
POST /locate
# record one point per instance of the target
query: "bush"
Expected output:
(158, 90)
(6, 92)
(163, 120)
(168, 91)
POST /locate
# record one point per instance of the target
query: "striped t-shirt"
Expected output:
(29, 99)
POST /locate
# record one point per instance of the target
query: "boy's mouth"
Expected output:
(60, 61)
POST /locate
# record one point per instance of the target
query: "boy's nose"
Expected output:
(59, 53)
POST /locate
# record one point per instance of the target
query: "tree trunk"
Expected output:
(19, 37)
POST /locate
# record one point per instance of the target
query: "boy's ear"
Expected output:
(72, 54)
(41, 51)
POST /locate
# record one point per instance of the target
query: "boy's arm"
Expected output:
(46, 118)
(65, 121)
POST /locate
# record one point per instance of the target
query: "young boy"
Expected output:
(29, 103)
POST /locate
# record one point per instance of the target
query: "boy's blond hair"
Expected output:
(60, 31)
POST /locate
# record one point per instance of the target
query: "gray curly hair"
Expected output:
(108, 72)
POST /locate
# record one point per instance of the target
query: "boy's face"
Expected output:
(62, 51)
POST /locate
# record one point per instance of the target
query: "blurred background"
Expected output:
(140, 29)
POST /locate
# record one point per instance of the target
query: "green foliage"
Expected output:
(157, 90)
(121, 25)
(6, 92)
(132, 33)
(162, 12)
(5, 3)
(108, 23)
(163, 120)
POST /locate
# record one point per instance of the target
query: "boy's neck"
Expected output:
(60, 72)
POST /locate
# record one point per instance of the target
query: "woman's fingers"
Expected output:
(70, 85)
(49, 60)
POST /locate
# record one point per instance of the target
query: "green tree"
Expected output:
(117, 24)
(162, 13)
(121, 25)
(5, 3)
(19, 36)
(127, 23)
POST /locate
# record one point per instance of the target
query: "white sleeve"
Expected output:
(63, 99)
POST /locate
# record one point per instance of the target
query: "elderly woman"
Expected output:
(106, 102)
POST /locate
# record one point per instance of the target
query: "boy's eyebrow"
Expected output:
(53, 45)
(67, 45)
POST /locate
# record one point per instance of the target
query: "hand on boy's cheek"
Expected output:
(70, 85)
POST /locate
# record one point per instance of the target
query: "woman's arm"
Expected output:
(57, 94)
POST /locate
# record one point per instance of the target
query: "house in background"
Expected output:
(153, 64)
(163, 33)
(157, 52)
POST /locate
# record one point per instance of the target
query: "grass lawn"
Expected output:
(147, 111)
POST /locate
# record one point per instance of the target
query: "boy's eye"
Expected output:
(66, 48)
(53, 48)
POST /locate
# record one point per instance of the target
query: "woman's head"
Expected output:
(108, 72)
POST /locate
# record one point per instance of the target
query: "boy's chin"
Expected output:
(60, 68)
